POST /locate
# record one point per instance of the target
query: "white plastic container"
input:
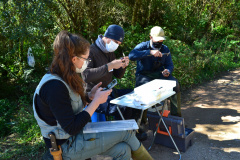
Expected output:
(152, 91)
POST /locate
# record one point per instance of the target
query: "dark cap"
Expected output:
(115, 32)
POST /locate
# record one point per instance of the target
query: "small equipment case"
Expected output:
(182, 136)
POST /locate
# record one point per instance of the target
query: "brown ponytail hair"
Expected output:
(66, 46)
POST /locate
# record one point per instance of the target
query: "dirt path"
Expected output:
(213, 111)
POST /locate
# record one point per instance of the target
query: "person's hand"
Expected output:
(125, 60)
(156, 53)
(91, 94)
(101, 96)
(166, 73)
(115, 64)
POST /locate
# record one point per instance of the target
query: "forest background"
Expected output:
(202, 35)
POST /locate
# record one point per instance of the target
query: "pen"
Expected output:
(123, 57)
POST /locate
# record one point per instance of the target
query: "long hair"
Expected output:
(66, 46)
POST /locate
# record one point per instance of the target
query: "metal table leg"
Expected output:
(120, 112)
(155, 133)
(139, 121)
(140, 118)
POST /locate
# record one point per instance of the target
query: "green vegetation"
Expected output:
(203, 37)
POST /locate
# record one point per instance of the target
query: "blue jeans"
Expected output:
(115, 144)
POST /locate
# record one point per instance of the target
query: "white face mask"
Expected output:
(112, 46)
(84, 66)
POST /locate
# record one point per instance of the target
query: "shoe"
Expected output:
(141, 136)
(143, 127)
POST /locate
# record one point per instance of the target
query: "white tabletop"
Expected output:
(129, 100)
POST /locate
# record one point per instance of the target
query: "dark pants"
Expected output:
(175, 100)
(111, 109)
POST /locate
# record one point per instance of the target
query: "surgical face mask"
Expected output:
(157, 44)
(84, 66)
(112, 46)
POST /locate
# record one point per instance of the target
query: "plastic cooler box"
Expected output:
(182, 136)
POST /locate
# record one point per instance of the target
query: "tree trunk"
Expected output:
(135, 12)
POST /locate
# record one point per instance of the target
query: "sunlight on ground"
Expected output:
(223, 81)
(202, 105)
(219, 132)
(175, 152)
(230, 119)
(232, 103)
(229, 135)
(229, 150)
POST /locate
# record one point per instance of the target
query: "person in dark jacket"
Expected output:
(59, 106)
(154, 61)
(104, 66)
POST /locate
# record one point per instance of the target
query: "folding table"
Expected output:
(137, 100)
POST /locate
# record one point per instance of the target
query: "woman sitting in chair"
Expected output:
(59, 101)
